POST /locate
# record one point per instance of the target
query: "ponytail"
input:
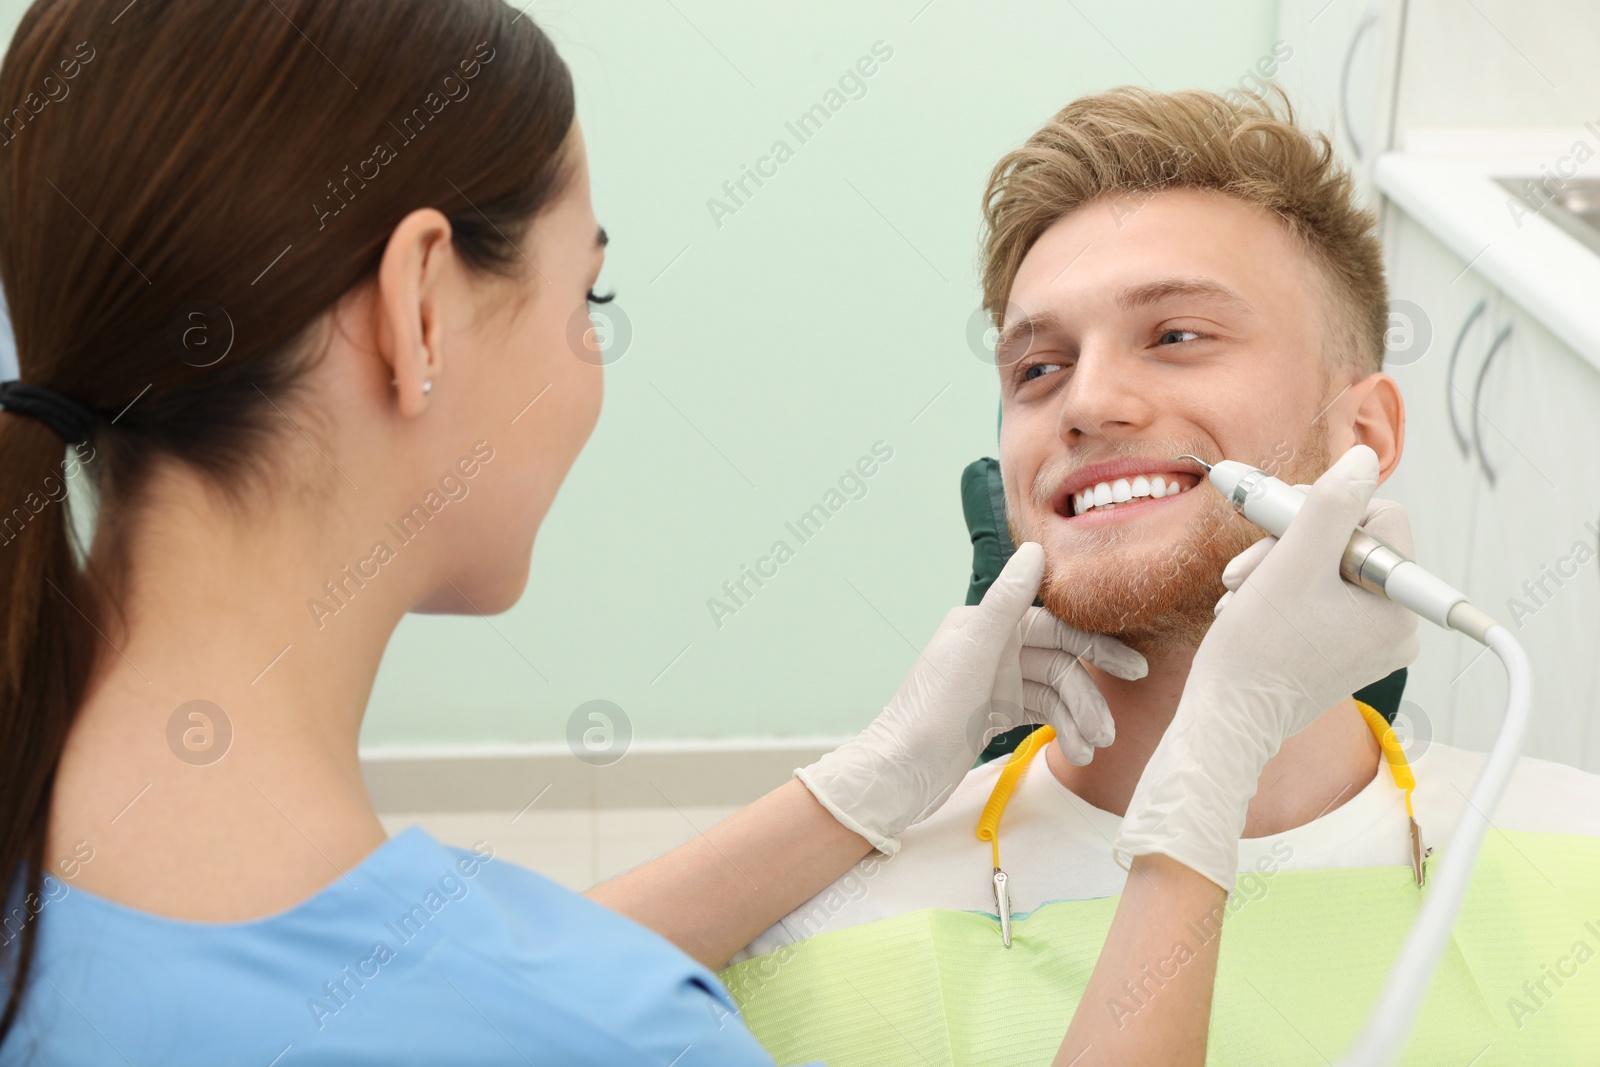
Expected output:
(46, 654)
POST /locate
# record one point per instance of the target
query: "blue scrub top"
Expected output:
(421, 954)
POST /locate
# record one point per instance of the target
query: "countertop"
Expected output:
(1446, 181)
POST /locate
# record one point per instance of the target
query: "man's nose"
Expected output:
(1105, 397)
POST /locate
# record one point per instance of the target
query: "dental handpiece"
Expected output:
(1272, 504)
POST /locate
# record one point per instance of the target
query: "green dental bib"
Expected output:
(1302, 960)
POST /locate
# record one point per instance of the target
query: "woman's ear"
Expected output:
(1377, 419)
(408, 328)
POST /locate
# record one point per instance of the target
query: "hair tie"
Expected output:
(68, 418)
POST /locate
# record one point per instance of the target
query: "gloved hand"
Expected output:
(1047, 656)
(1294, 639)
(987, 668)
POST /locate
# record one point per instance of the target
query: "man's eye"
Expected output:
(1191, 334)
(1028, 374)
(600, 299)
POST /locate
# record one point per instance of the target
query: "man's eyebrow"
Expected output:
(1022, 331)
(1138, 296)
(601, 238)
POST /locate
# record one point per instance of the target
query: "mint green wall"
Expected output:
(769, 353)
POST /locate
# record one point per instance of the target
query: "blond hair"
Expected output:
(1132, 140)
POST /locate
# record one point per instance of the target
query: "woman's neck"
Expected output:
(216, 610)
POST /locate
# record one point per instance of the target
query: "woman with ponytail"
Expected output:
(276, 273)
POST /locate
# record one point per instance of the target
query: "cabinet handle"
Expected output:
(1450, 377)
(1368, 22)
(1483, 372)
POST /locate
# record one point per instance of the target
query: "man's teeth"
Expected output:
(1108, 495)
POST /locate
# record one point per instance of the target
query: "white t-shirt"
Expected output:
(1056, 846)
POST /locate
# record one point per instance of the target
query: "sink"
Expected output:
(1574, 206)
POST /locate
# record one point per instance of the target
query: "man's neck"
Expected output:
(1314, 772)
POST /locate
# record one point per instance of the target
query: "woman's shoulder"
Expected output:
(422, 952)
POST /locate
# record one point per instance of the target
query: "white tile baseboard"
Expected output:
(549, 777)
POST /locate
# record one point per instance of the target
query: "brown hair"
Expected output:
(249, 160)
(1132, 140)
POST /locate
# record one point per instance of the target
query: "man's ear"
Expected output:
(1375, 416)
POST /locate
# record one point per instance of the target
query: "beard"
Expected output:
(1165, 597)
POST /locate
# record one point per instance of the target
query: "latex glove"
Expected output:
(968, 684)
(1295, 639)
(1056, 689)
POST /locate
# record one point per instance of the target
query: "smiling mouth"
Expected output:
(1110, 494)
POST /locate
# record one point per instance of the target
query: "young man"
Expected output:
(1178, 273)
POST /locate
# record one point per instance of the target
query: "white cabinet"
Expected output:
(1534, 530)
(1340, 74)
(1501, 476)
(1368, 71)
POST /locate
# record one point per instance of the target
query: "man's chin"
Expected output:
(1147, 600)
(1144, 616)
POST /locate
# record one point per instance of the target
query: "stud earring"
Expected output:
(427, 386)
